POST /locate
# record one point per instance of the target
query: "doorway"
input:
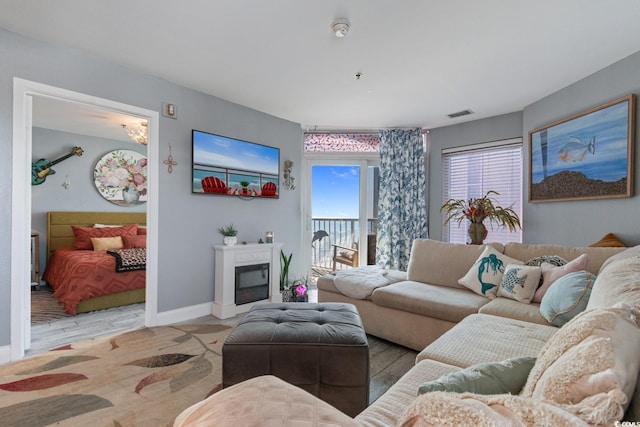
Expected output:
(341, 208)
(24, 92)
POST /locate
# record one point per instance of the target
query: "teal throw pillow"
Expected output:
(508, 376)
(567, 297)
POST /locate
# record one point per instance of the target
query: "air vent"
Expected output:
(460, 114)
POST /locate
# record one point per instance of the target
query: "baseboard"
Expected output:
(184, 314)
(5, 354)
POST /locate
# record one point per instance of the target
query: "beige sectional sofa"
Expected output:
(454, 328)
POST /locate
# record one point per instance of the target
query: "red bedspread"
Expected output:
(77, 275)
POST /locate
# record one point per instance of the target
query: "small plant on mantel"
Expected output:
(229, 232)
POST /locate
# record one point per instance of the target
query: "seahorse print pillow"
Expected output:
(519, 282)
(486, 273)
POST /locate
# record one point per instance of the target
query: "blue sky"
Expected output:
(335, 191)
(232, 153)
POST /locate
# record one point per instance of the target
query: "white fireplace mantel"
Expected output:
(227, 258)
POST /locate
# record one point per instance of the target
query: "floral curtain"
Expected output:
(402, 212)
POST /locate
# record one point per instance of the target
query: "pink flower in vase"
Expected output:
(301, 290)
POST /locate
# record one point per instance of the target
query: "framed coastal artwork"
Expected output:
(586, 156)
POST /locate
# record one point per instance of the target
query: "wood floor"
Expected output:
(388, 361)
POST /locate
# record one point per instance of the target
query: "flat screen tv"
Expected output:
(227, 166)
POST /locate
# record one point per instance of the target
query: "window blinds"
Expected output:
(470, 172)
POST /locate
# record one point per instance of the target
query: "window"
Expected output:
(469, 172)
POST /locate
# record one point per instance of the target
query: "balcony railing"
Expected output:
(341, 231)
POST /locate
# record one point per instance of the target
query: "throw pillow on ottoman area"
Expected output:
(321, 348)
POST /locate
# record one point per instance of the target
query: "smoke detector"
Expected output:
(340, 27)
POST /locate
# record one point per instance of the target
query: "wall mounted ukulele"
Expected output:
(42, 168)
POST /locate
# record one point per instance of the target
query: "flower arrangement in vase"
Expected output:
(300, 290)
(229, 232)
(476, 210)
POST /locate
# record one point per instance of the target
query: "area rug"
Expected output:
(141, 378)
(44, 307)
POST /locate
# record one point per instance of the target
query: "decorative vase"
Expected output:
(230, 240)
(477, 232)
(130, 195)
(287, 295)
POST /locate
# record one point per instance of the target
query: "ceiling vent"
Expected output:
(460, 114)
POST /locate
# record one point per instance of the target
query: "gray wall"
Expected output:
(576, 223)
(187, 222)
(492, 129)
(82, 195)
(585, 221)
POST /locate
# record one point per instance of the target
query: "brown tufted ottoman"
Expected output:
(321, 348)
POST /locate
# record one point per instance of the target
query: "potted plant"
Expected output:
(476, 211)
(229, 232)
(299, 290)
(245, 189)
(285, 261)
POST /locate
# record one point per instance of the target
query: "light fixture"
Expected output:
(137, 133)
(340, 27)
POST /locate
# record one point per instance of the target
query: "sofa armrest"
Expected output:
(265, 400)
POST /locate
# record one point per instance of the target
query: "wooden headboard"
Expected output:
(60, 234)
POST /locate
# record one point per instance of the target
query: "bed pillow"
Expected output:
(485, 274)
(138, 241)
(82, 235)
(567, 297)
(107, 243)
(519, 282)
(508, 376)
(590, 366)
(142, 230)
(551, 273)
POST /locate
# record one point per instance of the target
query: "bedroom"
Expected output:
(58, 127)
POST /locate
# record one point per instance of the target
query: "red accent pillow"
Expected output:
(139, 241)
(82, 235)
(142, 230)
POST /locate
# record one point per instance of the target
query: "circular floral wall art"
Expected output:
(121, 177)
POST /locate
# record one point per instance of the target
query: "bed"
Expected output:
(83, 279)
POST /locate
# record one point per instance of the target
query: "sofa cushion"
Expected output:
(468, 409)
(567, 297)
(508, 376)
(485, 274)
(389, 407)
(482, 338)
(590, 367)
(551, 273)
(506, 307)
(618, 281)
(519, 282)
(527, 251)
(440, 302)
(265, 400)
(425, 263)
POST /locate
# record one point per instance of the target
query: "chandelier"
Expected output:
(137, 133)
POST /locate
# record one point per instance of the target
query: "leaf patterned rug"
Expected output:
(141, 378)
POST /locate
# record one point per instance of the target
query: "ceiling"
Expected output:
(419, 59)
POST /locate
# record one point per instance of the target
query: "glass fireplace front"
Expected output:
(252, 283)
